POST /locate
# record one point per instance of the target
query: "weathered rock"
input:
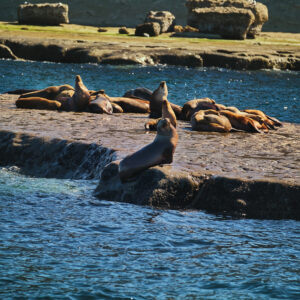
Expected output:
(5, 52)
(158, 186)
(152, 28)
(214, 16)
(125, 58)
(100, 29)
(43, 14)
(180, 59)
(165, 19)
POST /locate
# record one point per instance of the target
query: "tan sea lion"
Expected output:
(117, 109)
(167, 112)
(160, 151)
(210, 120)
(240, 122)
(101, 104)
(50, 93)
(38, 103)
(271, 122)
(156, 102)
(192, 106)
(130, 105)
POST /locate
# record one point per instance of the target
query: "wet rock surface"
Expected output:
(241, 174)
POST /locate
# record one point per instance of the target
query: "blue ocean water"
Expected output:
(57, 241)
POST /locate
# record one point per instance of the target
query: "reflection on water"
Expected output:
(58, 241)
(275, 92)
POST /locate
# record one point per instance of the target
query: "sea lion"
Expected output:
(117, 109)
(38, 103)
(271, 122)
(210, 120)
(101, 104)
(240, 122)
(130, 105)
(139, 93)
(49, 93)
(160, 151)
(167, 112)
(192, 106)
(156, 102)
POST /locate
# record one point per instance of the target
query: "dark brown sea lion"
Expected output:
(160, 151)
(139, 93)
(38, 103)
(101, 104)
(156, 102)
(130, 105)
(210, 120)
(240, 122)
(192, 106)
(49, 93)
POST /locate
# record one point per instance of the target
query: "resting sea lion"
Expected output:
(101, 104)
(130, 105)
(38, 103)
(271, 122)
(156, 101)
(240, 122)
(160, 151)
(139, 93)
(210, 120)
(192, 106)
(49, 93)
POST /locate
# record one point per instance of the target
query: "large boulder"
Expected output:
(165, 19)
(151, 29)
(229, 18)
(43, 14)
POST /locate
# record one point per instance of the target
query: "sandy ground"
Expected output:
(274, 155)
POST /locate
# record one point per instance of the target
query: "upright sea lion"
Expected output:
(240, 122)
(192, 106)
(139, 93)
(156, 101)
(101, 104)
(130, 105)
(49, 93)
(160, 151)
(167, 112)
(210, 120)
(38, 103)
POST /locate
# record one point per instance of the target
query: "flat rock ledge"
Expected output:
(73, 51)
(254, 182)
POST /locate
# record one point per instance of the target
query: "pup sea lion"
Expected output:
(130, 105)
(101, 104)
(38, 103)
(49, 93)
(156, 101)
(139, 93)
(240, 122)
(210, 120)
(192, 106)
(160, 151)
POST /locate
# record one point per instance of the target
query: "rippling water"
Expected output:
(275, 92)
(59, 242)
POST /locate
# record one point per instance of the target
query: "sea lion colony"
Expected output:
(203, 114)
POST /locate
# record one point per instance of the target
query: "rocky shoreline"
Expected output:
(101, 49)
(245, 175)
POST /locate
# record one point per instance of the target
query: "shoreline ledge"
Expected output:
(268, 51)
(237, 179)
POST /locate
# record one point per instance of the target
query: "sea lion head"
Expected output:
(164, 127)
(161, 92)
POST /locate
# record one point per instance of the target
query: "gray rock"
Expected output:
(165, 19)
(229, 18)
(43, 14)
(151, 28)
